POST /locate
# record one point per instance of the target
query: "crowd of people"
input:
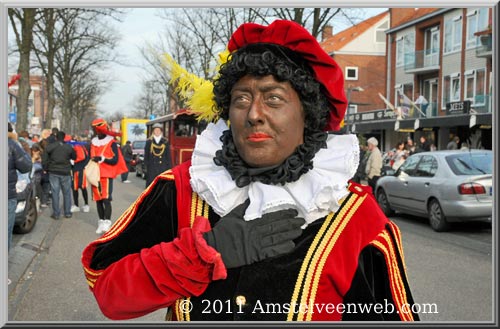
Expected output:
(373, 163)
(58, 163)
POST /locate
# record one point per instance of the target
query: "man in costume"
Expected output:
(105, 151)
(262, 223)
(156, 154)
(79, 179)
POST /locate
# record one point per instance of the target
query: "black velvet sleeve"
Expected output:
(371, 286)
(154, 222)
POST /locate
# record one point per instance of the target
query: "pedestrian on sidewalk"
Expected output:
(56, 160)
(374, 163)
(82, 151)
(263, 213)
(105, 151)
(20, 161)
(127, 155)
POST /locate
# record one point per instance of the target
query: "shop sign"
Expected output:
(454, 108)
(371, 116)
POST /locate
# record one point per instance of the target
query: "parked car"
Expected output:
(137, 150)
(445, 186)
(138, 146)
(140, 168)
(26, 210)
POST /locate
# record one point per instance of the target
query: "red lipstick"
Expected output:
(258, 137)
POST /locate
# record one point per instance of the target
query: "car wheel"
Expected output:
(384, 203)
(30, 220)
(437, 220)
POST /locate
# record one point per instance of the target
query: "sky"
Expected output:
(139, 26)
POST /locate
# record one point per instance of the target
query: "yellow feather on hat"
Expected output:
(194, 90)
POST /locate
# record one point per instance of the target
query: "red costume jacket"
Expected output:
(347, 266)
(114, 163)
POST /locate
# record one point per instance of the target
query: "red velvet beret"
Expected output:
(101, 127)
(294, 37)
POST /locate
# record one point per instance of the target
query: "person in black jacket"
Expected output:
(156, 154)
(18, 161)
(127, 155)
(56, 160)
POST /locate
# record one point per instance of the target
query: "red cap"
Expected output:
(294, 37)
(101, 127)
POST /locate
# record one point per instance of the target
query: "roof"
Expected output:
(339, 40)
(417, 13)
(420, 14)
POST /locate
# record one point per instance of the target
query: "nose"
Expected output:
(255, 114)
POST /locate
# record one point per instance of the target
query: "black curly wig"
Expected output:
(284, 65)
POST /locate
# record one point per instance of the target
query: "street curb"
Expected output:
(29, 260)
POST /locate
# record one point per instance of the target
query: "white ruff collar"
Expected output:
(100, 142)
(314, 195)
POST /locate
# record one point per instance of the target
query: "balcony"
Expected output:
(484, 49)
(422, 61)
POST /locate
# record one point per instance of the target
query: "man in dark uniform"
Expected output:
(156, 154)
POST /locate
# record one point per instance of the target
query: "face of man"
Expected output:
(98, 134)
(157, 132)
(267, 120)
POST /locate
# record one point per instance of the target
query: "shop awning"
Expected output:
(480, 119)
(372, 125)
(444, 121)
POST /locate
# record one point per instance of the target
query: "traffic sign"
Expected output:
(12, 117)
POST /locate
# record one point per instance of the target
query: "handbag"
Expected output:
(93, 173)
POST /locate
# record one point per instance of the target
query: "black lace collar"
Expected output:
(297, 164)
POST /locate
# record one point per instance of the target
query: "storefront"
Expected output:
(474, 129)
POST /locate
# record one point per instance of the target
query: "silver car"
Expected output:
(445, 186)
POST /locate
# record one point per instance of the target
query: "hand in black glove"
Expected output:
(97, 158)
(242, 242)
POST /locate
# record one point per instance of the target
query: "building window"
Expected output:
(408, 90)
(405, 50)
(451, 89)
(455, 88)
(477, 20)
(351, 73)
(475, 82)
(453, 34)
(380, 32)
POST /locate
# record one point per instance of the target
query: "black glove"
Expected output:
(97, 158)
(242, 242)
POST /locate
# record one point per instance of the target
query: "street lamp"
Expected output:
(349, 90)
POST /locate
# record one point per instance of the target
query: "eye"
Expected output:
(274, 100)
(240, 100)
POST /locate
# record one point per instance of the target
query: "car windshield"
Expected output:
(138, 144)
(471, 163)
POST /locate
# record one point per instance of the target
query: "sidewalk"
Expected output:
(48, 283)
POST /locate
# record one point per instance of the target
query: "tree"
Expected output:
(149, 101)
(44, 46)
(86, 47)
(26, 17)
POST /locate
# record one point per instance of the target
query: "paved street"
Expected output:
(52, 287)
(451, 270)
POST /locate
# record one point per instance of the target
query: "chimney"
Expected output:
(326, 32)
